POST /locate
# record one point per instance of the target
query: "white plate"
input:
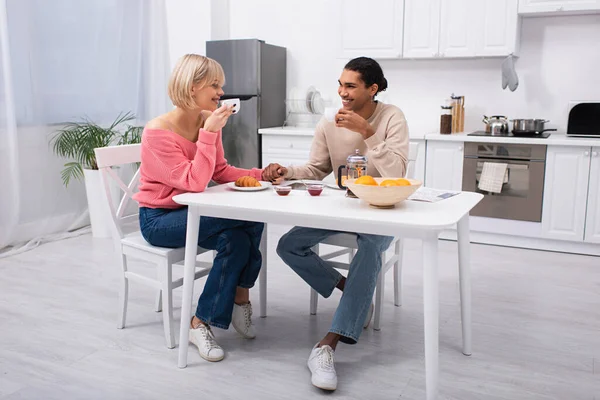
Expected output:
(263, 185)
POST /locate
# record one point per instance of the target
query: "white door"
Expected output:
(381, 37)
(497, 28)
(421, 28)
(557, 6)
(592, 220)
(565, 192)
(444, 165)
(458, 36)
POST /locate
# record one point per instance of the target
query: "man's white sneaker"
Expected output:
(241, 320)
(369, 316)
(321, 365)
(208, 347)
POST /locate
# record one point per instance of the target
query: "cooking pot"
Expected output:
(496, 124)
(529, 125)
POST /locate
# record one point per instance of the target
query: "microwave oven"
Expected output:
(584, 119)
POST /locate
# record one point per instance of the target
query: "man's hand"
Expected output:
(354, 122)
(274, 173)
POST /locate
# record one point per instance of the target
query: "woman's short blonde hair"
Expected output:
(190, 70)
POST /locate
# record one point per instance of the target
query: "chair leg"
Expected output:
(123, 294)
(314, 300)
(165, 274)
(158, 301)
(398, 273)
(379, 298)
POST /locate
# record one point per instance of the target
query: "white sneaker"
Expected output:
(369, 316)
(241, 319)
(208, 347)
(321, 365)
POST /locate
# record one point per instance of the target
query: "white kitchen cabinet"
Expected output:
(444, 165)
(592, 220)
(285, 149)
(497, 28)
(460, 28)
(558, 7)
(457, 28)
(421, 28)
(565, 192)
(382, 40)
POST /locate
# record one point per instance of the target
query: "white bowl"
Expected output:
(383, 196)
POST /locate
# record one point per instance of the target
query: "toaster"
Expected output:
(584, 119)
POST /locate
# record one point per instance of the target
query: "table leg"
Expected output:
(191, 250)
(263, 274)
(464, 272)
(431, 315)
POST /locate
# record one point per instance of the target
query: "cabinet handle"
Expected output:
(460, 148)
(587, 153)
(595, 153)
(291, 145)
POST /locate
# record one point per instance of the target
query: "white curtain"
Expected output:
(63, 60)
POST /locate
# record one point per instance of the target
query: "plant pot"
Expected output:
(97, 205)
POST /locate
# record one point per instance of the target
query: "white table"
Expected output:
(332, 210)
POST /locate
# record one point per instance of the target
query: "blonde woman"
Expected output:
(182, 151)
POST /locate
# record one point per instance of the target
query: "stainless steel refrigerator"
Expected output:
(255, 72)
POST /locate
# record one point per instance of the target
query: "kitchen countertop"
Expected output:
(303, 131)
(555, 139)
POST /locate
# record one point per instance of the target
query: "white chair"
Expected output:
(134, 245)
(348, 242)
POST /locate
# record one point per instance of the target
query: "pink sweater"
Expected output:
(172, 165)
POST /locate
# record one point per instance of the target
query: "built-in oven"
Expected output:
(510, 176)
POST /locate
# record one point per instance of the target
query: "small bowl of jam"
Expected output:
(283, 190)
(314, 189)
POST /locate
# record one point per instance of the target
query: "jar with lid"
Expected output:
(446, 120)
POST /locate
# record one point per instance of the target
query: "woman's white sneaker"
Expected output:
(241, 319)
(321, 365)
(208, 347)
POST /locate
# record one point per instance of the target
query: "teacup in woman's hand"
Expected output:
(233, 102)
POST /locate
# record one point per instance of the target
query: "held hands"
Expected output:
(274, 173)
(354, 122)
(216, 121)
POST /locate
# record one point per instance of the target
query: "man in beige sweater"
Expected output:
(379, 131)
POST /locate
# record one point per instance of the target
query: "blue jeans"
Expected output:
(295, 248)
(237, 263)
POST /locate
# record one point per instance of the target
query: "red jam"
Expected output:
(283, 190)
(315, 190)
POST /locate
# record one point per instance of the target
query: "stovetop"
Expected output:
(542, 135)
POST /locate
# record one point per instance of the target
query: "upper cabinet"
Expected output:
(421, 28)
(382, 39)
(460, 28)
(558, 7)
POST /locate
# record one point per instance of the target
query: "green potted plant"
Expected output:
(76, 141)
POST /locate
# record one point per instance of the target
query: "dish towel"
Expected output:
(492, 177)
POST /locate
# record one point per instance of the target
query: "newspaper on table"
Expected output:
(431, 195)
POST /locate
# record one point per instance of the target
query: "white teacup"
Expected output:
(234, 102)
(330, 113)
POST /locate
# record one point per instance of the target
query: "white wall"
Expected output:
(560, 57)
(188, 26)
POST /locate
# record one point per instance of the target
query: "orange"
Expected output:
(389, 182)
(403, 182)
(366, 180)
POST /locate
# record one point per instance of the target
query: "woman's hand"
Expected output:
(217, 120)
(354, 122)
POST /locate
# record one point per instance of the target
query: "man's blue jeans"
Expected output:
(237, 263)
(295, 248)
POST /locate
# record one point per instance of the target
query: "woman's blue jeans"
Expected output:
(237, 263)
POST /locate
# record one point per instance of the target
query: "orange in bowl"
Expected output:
(403, 182)
(366, 180)
(382, 196)
(390, 182)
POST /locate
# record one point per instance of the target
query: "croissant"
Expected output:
(247, 181)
